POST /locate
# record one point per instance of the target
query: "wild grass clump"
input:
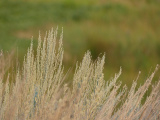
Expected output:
(40, 93)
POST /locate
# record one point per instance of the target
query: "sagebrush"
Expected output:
(40, 93)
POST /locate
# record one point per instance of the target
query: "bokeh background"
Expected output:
(127, 31)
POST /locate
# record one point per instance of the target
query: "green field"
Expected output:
(128, 32)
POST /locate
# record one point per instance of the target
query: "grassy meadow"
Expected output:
(127, 31)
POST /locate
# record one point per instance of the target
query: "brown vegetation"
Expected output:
(39, 91)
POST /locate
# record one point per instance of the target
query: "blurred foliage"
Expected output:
(126, 31)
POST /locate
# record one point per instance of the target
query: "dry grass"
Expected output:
(40, 93)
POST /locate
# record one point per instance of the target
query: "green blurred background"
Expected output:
(127, 31)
